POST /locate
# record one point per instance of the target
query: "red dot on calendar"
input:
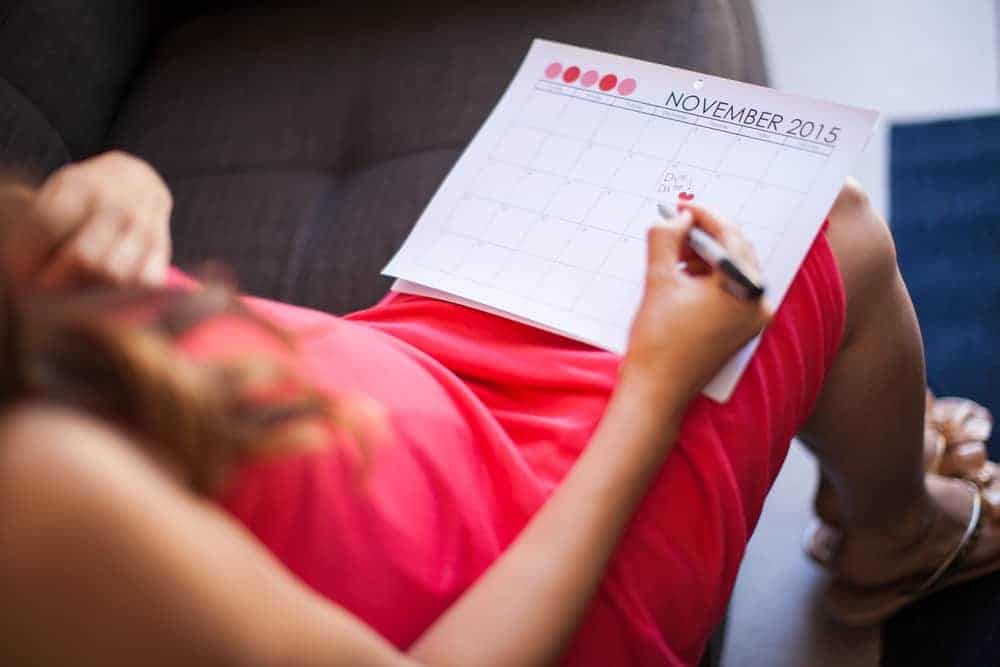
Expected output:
(553, 70)
(626, 87)
(608, 81)
(571, 74)
(589, 78)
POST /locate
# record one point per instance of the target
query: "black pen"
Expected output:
(737, 279)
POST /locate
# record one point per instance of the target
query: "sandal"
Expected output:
(955, 435)
(857, 605)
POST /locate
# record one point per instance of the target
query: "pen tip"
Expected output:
(666, 211)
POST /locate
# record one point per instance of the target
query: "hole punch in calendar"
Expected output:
(543, 219)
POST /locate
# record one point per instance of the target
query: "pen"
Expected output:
(715, 255)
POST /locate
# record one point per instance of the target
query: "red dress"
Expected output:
(488, 416)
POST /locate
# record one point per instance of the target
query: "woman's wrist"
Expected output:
(659, 391)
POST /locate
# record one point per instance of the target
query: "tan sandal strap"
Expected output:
(970, 530)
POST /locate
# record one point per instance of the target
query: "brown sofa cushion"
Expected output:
(29, 142)
(377, 100)
(73, 59)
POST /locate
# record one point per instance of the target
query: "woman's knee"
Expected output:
(864, 248)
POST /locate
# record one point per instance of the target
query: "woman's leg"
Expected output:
(867, 426)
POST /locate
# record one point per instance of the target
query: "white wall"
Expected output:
(906, 58)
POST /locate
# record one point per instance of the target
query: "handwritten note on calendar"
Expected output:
(543, 218)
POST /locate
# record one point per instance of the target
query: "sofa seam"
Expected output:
(4, 20)
(41, 114)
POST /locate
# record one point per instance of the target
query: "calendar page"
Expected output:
(543, 219)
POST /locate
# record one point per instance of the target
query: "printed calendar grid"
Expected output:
(633, 233)
(557, 306)
(543, 219)
(639, 153)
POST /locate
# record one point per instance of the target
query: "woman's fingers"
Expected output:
(84, 254)
(63, 202)
(727, 234)
(125, 260)
(741, 250)
(55, 213)
(107, 219)
(154, 270)
(705, 219)
(95, 240)
(152, 267)
(111, 247)
(716, 227)
(665, 241)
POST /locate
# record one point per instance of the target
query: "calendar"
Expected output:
(543, 219)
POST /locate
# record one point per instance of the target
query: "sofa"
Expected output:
(302, 140)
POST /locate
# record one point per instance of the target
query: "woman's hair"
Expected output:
(112, 352)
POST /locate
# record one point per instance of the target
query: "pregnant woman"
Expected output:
(191, 478)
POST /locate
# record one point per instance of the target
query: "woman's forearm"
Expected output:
(538, 591)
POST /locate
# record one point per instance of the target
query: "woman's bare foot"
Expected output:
(912, 553)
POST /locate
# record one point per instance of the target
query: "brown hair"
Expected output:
(112, 353)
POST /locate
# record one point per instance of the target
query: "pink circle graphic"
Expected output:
(553, 70)
(608, 81)
(589, 78)
(571, 74)
(626, 87)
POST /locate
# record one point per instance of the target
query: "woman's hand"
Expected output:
(688, 324)
(105, 219)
